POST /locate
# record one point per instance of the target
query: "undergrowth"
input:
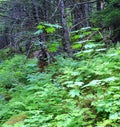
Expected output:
(79, 92)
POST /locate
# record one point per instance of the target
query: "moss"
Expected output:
(15, 119)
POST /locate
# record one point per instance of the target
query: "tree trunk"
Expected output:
(86, 8)
(42, 38)
(66, 38)
(100, 5)
(36, 10)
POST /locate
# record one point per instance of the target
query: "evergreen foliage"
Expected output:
(110, 17)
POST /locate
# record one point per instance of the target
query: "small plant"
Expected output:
(48, 28)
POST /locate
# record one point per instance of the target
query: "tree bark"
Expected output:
(100, 5)
(66, 38)
(86, 8)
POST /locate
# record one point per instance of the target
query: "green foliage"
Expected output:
(110, 16)
(4, 54)
(47, 27)
(12, 71)
(80, 34)
(53, 46)
(70, 93)
(81, 42)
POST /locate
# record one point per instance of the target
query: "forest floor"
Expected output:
(79, 92)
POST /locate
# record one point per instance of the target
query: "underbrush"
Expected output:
(70, 93)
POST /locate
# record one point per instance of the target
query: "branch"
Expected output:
(79, 23)
(56, 9)
(80, 3)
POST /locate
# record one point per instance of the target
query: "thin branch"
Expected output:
(79, 23)
(56, 9)
(80, 3)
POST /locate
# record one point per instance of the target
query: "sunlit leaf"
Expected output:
(38, 32)
(115, 116)
(110, 79)
(92, 83)
(74, 92)
(85, 28)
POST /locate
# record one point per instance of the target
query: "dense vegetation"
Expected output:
(59, 63)
(71, 93)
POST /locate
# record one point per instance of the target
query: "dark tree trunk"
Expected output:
(42, 38)
(87, 11)
(100, 5)
(36, 10)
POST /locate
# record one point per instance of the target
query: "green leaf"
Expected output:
(83, 41)
(87, 46)
(110, 79)
(76, 31)
(85, 28)
(53, 25)
(115, 116)
(78, 36)
(88, 51)
(92, 83)
(78, 83)
(50, 30)
(77, 46)
(41, 27)
(102, 49)
(74, 92)
(38, 32)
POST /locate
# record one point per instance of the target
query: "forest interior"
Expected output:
(59, 63)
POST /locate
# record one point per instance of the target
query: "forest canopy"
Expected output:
(20, 20)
